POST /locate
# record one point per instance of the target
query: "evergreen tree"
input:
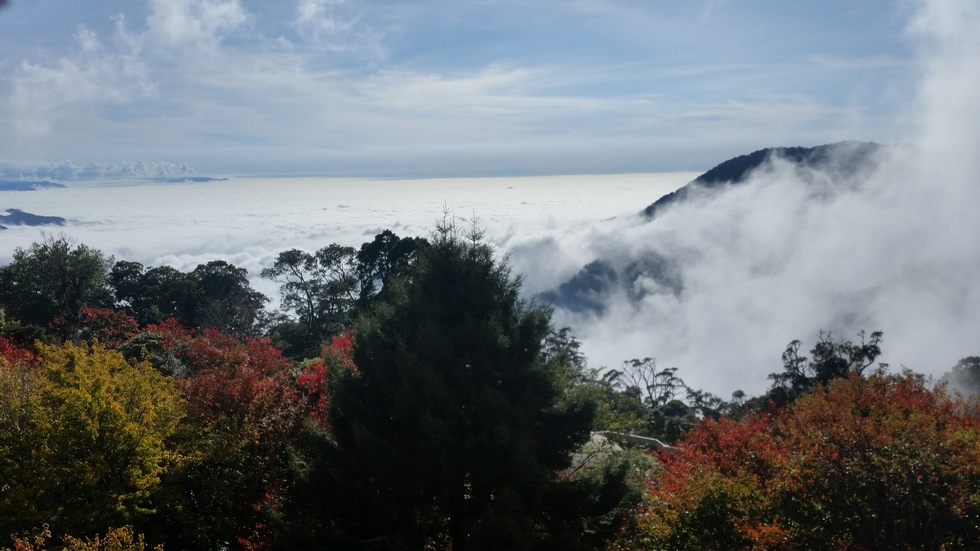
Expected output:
(454, 429)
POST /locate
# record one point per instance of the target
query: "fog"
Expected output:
(793, 252)
(781, 257)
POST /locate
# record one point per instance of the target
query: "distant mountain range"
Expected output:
(587, 289)
(27, 185)
(17, 217)
(194, 179)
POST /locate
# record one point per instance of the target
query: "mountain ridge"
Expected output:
(585, 292)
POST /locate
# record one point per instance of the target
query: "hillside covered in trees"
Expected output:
(405, 397)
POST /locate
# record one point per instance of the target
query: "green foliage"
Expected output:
(226, 301)
(54, 279)
(639, 398)
(215, 295)
(453, 431)
(385, 258)
(320, 289)
(119, 539)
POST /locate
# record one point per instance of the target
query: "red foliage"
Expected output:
(884, 462)
(243, 394)
(313, 380)
(341, 350)
(17, 355)
(313, 383)
(110, 327)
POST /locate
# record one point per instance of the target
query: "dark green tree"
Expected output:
(964, 377)
(225, 299)
(154, 294)
(320, 289)
(54, 279)
(454, 430)
(386, 257)
(214, 295)
(830, 359)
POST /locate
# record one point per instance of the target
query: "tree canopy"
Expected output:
(452, 431)
(882, 462)
(54, 279)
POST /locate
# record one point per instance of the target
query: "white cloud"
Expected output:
(194, 27)
(336, 26)
(67, 170)
(92, 75)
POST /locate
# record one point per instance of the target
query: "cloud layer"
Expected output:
(792, 252)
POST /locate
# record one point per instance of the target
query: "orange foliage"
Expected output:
(877, 462)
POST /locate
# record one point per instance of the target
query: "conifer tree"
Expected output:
(454, 430)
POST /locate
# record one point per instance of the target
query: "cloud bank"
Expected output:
(68, 171)
(792, 251)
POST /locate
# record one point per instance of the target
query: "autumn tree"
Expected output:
(244, 411)
(84, 440)
(452, 431)
(878, 462)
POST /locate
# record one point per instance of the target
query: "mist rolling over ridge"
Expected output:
(718, 283)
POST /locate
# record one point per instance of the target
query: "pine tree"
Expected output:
(453, 430)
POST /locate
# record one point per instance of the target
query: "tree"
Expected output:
(55, 278)
(830, 359)
(244, 412)
(320, 288)
(878, 462)
(452, 431)
(383, 259)
(118, 539)
(964, 377)
(216, 295)
(226, 300)
(85, 444)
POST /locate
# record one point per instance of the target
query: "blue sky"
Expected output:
(444, 88)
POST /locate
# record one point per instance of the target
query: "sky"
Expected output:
(444, 87)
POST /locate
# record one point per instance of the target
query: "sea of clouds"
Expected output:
(781, 257)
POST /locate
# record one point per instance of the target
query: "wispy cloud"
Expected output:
(194, 27)
(92, 75)
(224, 84)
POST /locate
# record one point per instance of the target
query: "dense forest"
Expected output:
(405, 396)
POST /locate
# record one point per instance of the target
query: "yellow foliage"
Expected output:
(95, 431)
